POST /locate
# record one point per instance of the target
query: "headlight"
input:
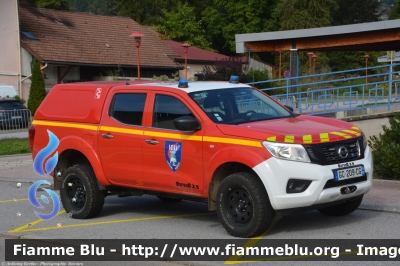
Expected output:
(364, 141)
(293, 152)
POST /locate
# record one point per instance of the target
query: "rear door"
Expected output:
(172, 158)
(121, 137)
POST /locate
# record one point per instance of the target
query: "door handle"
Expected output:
(153, 142)
(107, 136)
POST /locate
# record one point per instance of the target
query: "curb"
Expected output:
(386, 181)
(380, 208)
(18, 154)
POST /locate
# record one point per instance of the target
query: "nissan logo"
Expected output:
(343, 152)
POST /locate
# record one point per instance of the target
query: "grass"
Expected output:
(14, 146)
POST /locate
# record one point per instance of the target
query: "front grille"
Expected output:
(336, 152)
(332, 152)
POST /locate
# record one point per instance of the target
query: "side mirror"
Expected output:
(289, 107)
(186, 123)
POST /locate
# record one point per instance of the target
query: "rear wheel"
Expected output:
(243, 205)
(80, 194)
(342, 209)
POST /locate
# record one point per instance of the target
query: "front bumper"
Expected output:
(275, 174)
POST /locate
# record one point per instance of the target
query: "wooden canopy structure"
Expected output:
(373, 36)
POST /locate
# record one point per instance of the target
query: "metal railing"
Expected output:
(15, 120)
(338, 91)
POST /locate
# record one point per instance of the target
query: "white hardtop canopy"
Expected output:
(198, 85)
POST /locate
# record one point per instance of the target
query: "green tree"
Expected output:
(356, 11)
(99, 7)
(395, 10)
(255, 75)
(351, 60)
(37, 91)
(351, 12)
(385, 150)
(304, 14)
(145, 12)
(52, 4)
(181, 25)
(225, 18)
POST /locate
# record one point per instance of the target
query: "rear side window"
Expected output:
(128, 108)
(166, 109)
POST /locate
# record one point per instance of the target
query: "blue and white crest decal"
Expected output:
(173, 154)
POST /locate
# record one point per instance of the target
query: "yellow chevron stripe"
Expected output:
(289, 139)
(172, 136)
(122, 130)
(62, 124)
(352, 132)
(307, 139)
(233, 141)
(341, 135)
(324, 137)
(151, 133)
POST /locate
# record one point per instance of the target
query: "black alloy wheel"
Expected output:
(240, 206)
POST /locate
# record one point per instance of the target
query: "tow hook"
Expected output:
(348, 190)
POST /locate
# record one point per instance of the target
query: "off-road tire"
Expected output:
(342, 209)
(80, 194)
(171, 200)
(243, 205)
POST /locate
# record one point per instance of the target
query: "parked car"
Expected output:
(7, 91)
(13, 114)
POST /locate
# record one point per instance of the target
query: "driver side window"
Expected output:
(166, 109)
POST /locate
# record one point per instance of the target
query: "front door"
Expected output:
(172, 158)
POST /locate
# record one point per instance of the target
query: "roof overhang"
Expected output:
(373, 36)
(61, 63)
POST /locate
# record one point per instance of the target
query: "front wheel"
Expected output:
(243, 205)
(80, 194)
(342, 209)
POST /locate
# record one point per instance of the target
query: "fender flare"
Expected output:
(88, 151)
(244, 155)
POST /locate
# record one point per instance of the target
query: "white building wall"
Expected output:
(26, 63)
(26, 70)
(192, 70)
(9, 44)
(254, 64)
(51, 75)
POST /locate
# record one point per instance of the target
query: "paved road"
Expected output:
(11, 134)
(148, 218)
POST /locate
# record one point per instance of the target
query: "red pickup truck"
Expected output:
(222, 143)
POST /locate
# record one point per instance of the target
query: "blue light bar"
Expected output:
(183, 83)
(234, 79)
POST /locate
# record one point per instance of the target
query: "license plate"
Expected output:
(347, 173)
(16, 117)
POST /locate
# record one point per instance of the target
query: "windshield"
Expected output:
(238, 105)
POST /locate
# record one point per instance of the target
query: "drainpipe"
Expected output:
(19, 50)
(31, 74)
